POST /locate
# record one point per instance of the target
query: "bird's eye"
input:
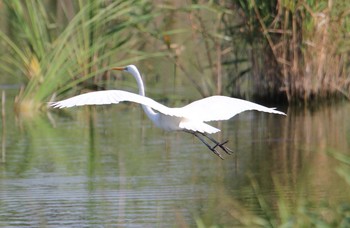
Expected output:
(126, 69)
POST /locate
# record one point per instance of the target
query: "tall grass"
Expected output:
(282, 50)
(56, 56)
(286, 208)
(297, 49)
(192, 34)
(307, 181)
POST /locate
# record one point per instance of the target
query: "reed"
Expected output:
(286, 209)
(284, 50)
(295, 49)
(3, 121)
(72, 49)
(193, 36)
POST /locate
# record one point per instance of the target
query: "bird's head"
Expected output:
(129, 68)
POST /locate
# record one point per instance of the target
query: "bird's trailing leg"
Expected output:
(200, 136)
(207, 144)
(218, 144)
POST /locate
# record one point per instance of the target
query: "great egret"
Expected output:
(190, 118)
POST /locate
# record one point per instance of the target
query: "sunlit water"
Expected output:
(107, 167)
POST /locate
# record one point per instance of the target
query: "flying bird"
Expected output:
(191, 118)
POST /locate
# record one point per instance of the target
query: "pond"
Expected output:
(109, 166)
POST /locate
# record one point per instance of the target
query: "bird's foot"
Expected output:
(223, 147)
(212, 148)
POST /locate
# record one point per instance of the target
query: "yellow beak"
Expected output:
(118, 68)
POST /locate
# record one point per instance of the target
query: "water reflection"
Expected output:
(110, 166)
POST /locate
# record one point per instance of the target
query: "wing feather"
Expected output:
(113, 97)
(207, 109)
(216, 108)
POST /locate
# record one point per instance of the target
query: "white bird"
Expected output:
(190, 118)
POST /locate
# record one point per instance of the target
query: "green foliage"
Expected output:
(57, 57)
(300, 210)
(295, 48)
(192, 34)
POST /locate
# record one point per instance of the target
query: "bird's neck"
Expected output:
(149, 112)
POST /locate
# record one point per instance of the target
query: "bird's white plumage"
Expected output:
(212, 108)
(216, 108)
(110, 97)
(190, 117)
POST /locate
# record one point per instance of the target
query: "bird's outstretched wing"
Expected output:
(113, 97)
(207, 109)
(216, 108)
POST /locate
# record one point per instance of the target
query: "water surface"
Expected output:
(110, 166)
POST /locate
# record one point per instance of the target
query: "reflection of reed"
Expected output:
(3, 138)
(309, 136)
(91, 112)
